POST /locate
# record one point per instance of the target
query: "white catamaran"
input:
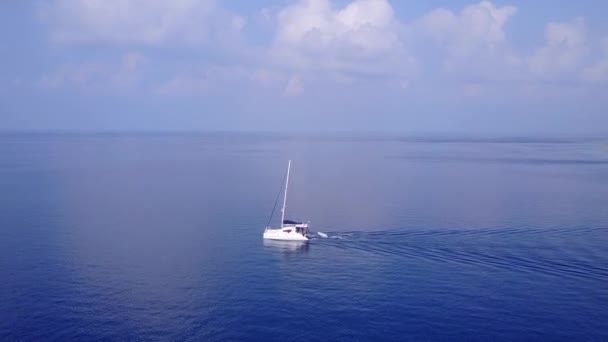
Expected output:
(290, 230)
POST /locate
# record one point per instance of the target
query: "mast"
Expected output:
(285, 197)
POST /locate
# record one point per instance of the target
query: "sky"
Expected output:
(490, 67)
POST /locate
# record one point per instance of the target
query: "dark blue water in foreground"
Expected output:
(158, 237)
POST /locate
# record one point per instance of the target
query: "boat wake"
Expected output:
(539, 251)
(321, 235)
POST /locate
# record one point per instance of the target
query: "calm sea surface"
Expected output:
(159, 237)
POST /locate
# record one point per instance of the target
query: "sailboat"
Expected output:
(290, 230)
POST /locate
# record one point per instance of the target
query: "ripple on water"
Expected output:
(554, 252)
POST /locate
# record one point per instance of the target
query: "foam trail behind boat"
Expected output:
(323, 235)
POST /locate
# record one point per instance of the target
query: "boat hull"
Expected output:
(282, 235)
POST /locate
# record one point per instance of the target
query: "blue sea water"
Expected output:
(158, 237)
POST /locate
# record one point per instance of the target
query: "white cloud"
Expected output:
(98, 75)
(294, 86)
(361, 38)
(477, 28)
(563, 51)
(183, 85)
(316, 41)
(141, 22)
(266, 77)
(238, 22)
(206, 79)
(472, 42)
(598, 71)
(472, 89)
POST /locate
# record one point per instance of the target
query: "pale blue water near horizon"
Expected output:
(157, 237)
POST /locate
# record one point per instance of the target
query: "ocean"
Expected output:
(158, 237)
